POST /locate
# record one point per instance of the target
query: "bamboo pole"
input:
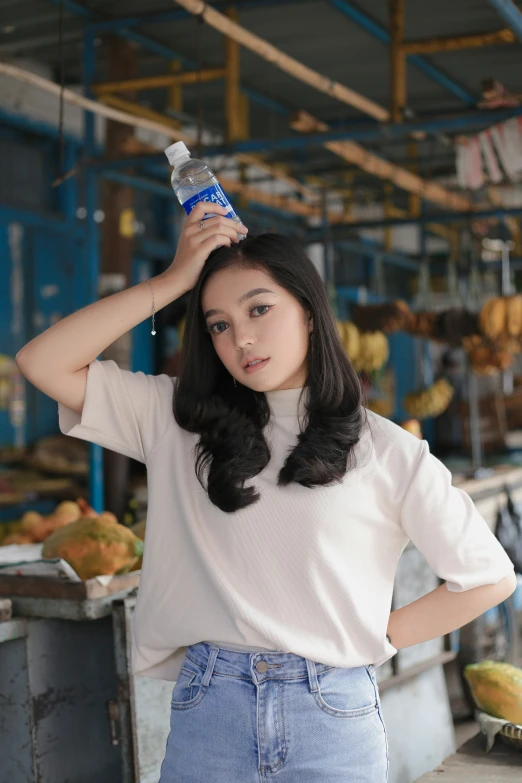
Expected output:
(161, 80)
(283, 61)
(91, 105)
(452, 43)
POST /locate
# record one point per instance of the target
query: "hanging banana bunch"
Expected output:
(500, 322)
(485, 357)
(382, 406)
(429, 402)
(387, 317)
(373, 353)
(368, 351)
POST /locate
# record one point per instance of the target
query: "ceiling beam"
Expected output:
(283, 61)
(455, 42)
(383, 169)
(341, 231)
(161, 80)
(365, 22)
(165, 51)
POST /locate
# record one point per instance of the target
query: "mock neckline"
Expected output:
(283, 402)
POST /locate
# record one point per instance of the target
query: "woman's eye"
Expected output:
(260, 307)
(214, 330)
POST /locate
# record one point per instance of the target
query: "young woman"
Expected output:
(278, 510)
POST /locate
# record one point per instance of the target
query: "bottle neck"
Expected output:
(180, 161)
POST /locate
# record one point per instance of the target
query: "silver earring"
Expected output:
(235, 384)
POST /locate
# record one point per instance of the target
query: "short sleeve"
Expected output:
(124, 411)
(442, 522)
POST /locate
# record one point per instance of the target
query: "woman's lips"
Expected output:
(257, 366)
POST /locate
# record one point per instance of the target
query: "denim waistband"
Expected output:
(260, 666)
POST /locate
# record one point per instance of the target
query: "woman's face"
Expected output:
(245, 325)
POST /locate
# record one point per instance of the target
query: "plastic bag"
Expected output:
(508, 530)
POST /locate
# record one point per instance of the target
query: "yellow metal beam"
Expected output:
(162, 80)
(451, 43)
(397, 61)
(175, 90)
(232, 99)
(138, 110)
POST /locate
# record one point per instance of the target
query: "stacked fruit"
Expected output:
(33, 527)
(429, 402)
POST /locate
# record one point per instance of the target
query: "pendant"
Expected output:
(153, 332)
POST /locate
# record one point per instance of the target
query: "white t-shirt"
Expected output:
(304, 570)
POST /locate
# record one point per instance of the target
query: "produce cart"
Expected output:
(71, 709)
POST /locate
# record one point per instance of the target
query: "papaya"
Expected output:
(496, 687)
(93, 546)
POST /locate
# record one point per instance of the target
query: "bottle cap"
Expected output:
(176, 151)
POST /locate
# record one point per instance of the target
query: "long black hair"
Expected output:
(230, 419)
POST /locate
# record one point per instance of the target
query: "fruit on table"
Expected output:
(16, 538)
(38, 527)
(33, 527)
(497, 689)
(95, 546)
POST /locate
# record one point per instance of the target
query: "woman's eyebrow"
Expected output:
(242, 298)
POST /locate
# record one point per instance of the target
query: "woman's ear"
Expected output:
(310, 323)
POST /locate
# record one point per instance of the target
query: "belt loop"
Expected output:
(210, 665)
(312, 675)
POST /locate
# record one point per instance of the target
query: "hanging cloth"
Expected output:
(490, 158)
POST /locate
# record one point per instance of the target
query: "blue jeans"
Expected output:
(240, 717)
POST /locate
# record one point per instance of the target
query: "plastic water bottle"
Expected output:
(193, 181)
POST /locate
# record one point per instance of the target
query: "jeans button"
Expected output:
(262, 666)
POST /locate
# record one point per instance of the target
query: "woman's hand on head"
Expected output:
(199, 237)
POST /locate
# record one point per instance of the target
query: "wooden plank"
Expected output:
(472, 764)
(41, 587)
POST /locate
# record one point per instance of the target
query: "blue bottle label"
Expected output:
(214, 195)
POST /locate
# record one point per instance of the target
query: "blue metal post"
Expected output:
(511, 15)
(92, 259)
